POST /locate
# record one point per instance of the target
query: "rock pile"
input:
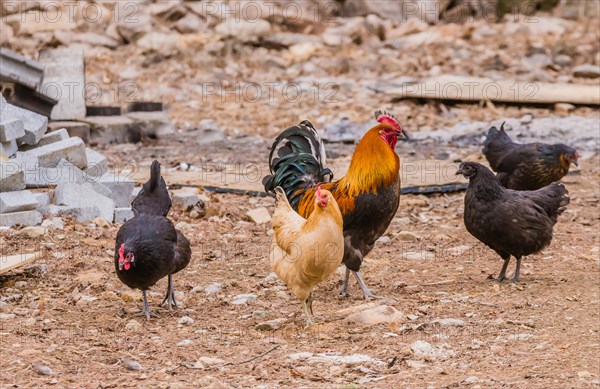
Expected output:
(74, 179)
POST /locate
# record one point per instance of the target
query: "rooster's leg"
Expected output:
(517, 271)
(502, 275)
(305, 304)
(170, 296)
(344, 290)
(366, 291)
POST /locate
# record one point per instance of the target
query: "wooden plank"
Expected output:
(418, 176)
(460, 88)
(9, 262)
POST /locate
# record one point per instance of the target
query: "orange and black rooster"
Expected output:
(368, 196)
(528, 166)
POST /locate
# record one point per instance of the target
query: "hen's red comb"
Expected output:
(319, 191)
(122, 251)
(384, 117)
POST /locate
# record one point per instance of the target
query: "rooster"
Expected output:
(153, 198)
(306, 252)
(368, 196)
(149, 248)
(510, 222)
(528, 166)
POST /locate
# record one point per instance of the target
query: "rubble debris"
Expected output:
(14, 261)
(51, 137)
(11, 129)
(25, 218)
(155, 125)
(34, 125)
(123, 214)
(97, 164)
(121, 188)
(64, 79)
(72, 150)
(75, 129)
(80, 196)
(12, 177)
(113, 129)
(17, 201)
(18, 69)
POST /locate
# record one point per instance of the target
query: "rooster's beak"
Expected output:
(404, 135)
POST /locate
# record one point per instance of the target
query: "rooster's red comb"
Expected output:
(122, 250)
(384, 117)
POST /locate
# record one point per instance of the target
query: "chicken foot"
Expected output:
(308, 311)
(502, 275)
(367, 294)
(170, 296)
(146, 311)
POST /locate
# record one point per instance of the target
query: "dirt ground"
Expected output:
(74, 316)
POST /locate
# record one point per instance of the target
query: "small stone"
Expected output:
(415, 364)
(376, 315)
(418, 255)
(186, 320)
(184, 199)
(185, 342)
(242, 299)
(563, 107)
(213, 288)
(133, 325)
(271, 325)
(449, 322)
(32, 232)
(21, 284)
(7, 316)
(406, 236)
(259, 215)
(208, 361)
(42, 369)
(383, 240)
(258, 314)
(587, 71)
(101, 222)
(131, 364)
(471, 380)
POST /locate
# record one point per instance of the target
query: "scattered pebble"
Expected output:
(242, 299)
(185, 342)
(186, 320)
(131, 364)
(259, 215)
(42, 369)
(271, 325)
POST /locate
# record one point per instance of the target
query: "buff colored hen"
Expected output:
(306, 252)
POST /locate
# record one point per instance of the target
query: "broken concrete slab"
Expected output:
(97, 164)
(42, 198)
(153, 124)
(51, 137)
(78, 129)
(64, 80)
(72, 150)
(17, 201)
(26, 218)
(123, 214)
(113, 129)
(76, 195)
(81, 214)
(34, 125)
(9, 148)
(18, 69)
(11, 176)
(184, 199)
(121, 188)
(11, 129)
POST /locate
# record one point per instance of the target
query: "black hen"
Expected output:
(153, 198)
(528, 166)
(148, 247)
(517, 223)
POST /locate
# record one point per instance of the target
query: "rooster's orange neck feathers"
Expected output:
(374, 165)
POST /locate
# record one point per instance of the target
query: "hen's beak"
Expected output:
(459, 172)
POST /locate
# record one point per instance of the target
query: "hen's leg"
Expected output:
(305, 305)
(502, 275)
(517, 275)
(170, 296)
(146, 311)
(344, 290)
(368, 295)
(310, 301)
